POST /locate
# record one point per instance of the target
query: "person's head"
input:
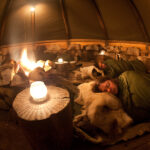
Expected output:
(99, 61)
(106, 84)
(101, 65)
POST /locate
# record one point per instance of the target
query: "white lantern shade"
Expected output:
(38, 90)
(102, 52)
(60, 60)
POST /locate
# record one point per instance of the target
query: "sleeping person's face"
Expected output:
(108, 86)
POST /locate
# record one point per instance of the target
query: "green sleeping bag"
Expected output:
(134, 93)
(115, 67)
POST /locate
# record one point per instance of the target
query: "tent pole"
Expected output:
(139, 20)
(64, 16)
(101, 21)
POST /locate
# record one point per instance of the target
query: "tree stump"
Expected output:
(47, 124)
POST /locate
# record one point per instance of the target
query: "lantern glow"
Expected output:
(60, 60)
(32, 9)
(102, 52)
(38, 90)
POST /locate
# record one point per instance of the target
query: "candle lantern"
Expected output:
(61, 65)
(44, 114)
(38, 91)
(102, 52)
(60, 60)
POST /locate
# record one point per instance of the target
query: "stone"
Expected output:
(5, 77)
(133, 51)
(74, 47)
(54, 47)
(96, 47)
(18, 81)
(110, 48)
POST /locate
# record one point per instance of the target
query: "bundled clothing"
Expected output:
(115, 67)
(134, 93)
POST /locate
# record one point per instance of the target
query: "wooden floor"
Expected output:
(140, 143)
(12, 138)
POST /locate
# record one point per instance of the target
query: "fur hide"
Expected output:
(103, 110)
(88, 72)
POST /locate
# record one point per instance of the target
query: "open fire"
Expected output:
(28, 65)
(20, 71)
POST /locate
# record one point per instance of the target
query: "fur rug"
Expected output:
(102, 119)
(85, 74)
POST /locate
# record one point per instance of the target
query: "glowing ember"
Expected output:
(47, 65)
(40, 63)
(15, 69)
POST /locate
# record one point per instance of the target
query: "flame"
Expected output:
(15, 69)
(26, 64)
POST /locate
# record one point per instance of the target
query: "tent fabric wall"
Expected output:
(49, 23)
(82, 20)
(120, 21)
(143, 7)
(2, 9)
(14, 30)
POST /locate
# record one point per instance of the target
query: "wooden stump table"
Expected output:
(47, 124)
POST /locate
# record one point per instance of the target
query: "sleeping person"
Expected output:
(114, 68)
(112, 105)
(133, 90)
(100, 110)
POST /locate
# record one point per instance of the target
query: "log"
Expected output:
(47, 125)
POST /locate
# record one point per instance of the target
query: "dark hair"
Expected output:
(99, 81)
(102, 79)
(100, 58)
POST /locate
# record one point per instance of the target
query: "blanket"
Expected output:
(134, 92)
(116, 67)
